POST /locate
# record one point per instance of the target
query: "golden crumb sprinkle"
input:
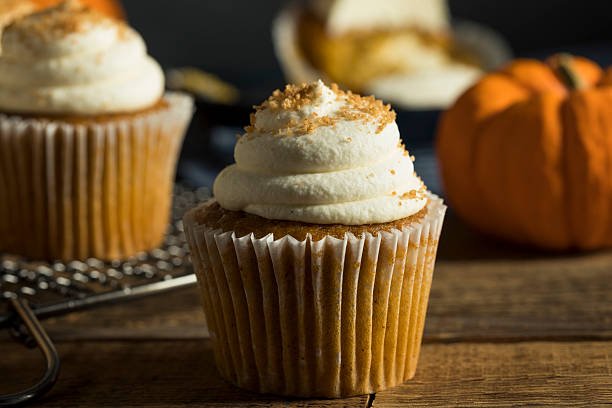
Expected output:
(14, 9)
(68, 17)
(365, 108)
(293, 98)
(412, 194)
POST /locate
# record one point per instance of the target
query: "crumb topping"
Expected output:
(366, 109)
(68, 17)
(419, 194)
(11, 9)
(412, 194)
(292, 98)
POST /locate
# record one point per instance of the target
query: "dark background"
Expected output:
(232, 39)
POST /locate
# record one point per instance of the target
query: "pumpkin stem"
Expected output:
(562, 65)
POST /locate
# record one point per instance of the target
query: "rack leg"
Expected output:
(21, 307)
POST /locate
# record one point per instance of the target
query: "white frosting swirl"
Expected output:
(71, 60)
(350, 172)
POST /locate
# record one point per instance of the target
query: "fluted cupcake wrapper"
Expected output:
(73, 191)
(328, 318)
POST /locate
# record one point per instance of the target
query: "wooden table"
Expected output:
(506, 326)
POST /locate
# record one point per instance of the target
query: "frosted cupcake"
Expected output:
(12, 9)
(88, 139)
(316, 256)
(403, 50)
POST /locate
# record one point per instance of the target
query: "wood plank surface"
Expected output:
(182, 373)
(553, 374)
(513, 300)
(489, 290)
(162, 373)
(173, 315)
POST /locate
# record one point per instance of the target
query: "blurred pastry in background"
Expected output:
(112, 8)
(13, 9)
(355, 42)
(404, 51)
(89, 139)
(205, 85)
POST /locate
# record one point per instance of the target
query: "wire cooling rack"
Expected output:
(34, 290)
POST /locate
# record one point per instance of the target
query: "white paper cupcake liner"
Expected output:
(89, 190)
(328, 318)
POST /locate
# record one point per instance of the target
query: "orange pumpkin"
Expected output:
(526, 153)
(111, 8)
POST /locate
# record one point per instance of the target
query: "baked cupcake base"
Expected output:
(99, 187)
(330, 315)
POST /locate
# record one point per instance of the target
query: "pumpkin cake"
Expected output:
(88, 139)
(111, 8)
(315, 258)
(12, 9)
(398, 48)
(241, 223)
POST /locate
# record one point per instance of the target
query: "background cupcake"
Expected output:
(88, 140)
(12, 9)
(316, 258)
(112, 8)
(404, 51)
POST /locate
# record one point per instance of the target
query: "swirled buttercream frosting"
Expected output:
(324, 156)
(70, 59)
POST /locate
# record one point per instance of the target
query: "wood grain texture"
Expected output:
(145, 374)
(504, 375)
(560, 298)
(182, 373)
(173, 315)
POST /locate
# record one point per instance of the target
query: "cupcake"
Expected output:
(315, 258)
(88, 139)
(112, 8)
(12, 9)
(405, 51)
